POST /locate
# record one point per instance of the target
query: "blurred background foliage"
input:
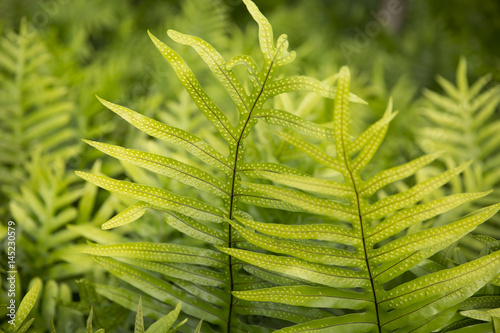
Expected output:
(55, 55)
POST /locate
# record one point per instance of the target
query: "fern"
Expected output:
(466, 125)
(202, 277)
(24, 67)
(19, 324)
(36, 113)
(52, 209)
(463, 123)
(207, 19)
(163, 325)
(369, 259)
(49, 222)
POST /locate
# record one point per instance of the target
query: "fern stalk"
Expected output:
(206, 294)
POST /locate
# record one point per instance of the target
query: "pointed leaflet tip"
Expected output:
(103, 101)
(344, 70)
(462, 82)
(356, 99)
(341, 121)
(139, 318)
(174, 34)
(153, 38)
(27, 304)
(80, 174)
(265, 30)
(89, 142)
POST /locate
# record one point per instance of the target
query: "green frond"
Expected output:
(343, 324)
(130, 300)
(309, 296)
(313, 152)
(257, 198)
(160, 253)
(281, 311)
(325, 232)
(372, 132)
(191, 143)
(437, 291)
(265, 30)
(210, 276)
(46, 209)
(306, 202)
(27, 304)
(139, 318)
(359, 259)
(161, 290)
(391, 175)
(255, 169)
(89, 328)
(310, 184)
(413, 195)
(441, 236)
(37, 111)
(196, 229)
(461, 121)
(166, 322)
(374, 141)
(305, 84)
(293, 122)
(485, 315)
(313, 253)
(409, 216)
(218, 66)
(389, 236)
(165, 166)
(188, 79)
(316, 273)
(157, 197)
(128, 215)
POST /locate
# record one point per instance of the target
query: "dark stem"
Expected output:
(231, 204)
(364, 246)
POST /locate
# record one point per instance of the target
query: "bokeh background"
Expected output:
(56, 55)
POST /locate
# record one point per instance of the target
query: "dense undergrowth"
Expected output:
(262, 199)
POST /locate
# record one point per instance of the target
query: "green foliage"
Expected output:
(19, 323)
(230, 272)
(464, 123)
(205, 220)
(54, 211)
(361, 269)
(163, 325)
(35, 111)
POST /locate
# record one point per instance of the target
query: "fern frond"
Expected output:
(373, 241)
(463, 121)
(162, 325)
(36, 112)
(51, 226)
(27, 304)
(200, 275)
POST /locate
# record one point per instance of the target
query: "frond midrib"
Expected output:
(232, 194)
(365, 250)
